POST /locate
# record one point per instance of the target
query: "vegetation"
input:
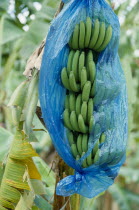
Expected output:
(23, 26)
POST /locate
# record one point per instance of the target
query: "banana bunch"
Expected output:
(79, 80)
(85, 36)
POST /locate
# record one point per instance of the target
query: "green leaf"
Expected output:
(47, 13)
(1, 38)
(37, 32)
(90, 204)
(1, 172)
(25, 202)
(130, 174)
(37, 187)
(5, 141)
(132, 197)
(86, 203)
(4, 5)
(35, 208)
(11, 32)
(46, 173)
(130, 87)
(42, 203)
(120, 197)
(131, 15)
(11, 79)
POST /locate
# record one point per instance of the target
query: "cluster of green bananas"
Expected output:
(79, 146)
(86, 36)
(79, 80)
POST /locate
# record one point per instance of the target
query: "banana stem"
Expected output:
(74, 199)
(75, 202)
(62, 170)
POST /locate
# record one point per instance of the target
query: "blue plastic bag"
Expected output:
(111, 107)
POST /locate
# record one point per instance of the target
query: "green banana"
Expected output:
(88, 31)
(92, 71)
(72, 101)
(95, 149)
(86, 91)
(83, 77)
(89, 58)
(70, 58)
(90, 160)
(70, 137)
(90, 109)
(84, 110)
(75, 38)
(74, 86)
(70, 42)
(81, 64)
(65, 79)
(91, 123)
(102, 138)
(82, 35)
(78, 104)
(96, 158)
(107, 39)
(83, 128)
(85, 143)
(79, 144)
(95, 34)
(74, 150)
(84, 164)
(66, 116)
(75, 64)
(101, 36)
(74, 122)
(92, 93)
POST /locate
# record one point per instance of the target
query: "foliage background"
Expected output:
(23, 25)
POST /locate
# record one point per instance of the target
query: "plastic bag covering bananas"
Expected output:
(83, 95)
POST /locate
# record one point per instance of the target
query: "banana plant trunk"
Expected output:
(65, 203)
